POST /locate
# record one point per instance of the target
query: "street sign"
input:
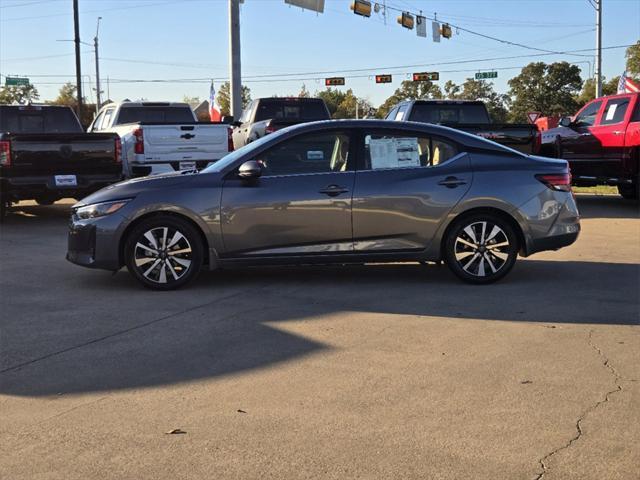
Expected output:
(533, 116)
(424, 76)
(14, 81)
(485, 75)
(421, 26)
(334, 81)
(383, 78)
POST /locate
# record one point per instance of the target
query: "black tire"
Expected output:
(164, 259)
(5, 205)
(629, 192)
(45, 201)
(478, 257)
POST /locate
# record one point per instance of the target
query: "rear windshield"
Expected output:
(449, 113)
(35, 119)
(291, 110)
(165, 114)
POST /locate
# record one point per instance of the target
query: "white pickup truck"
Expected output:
(162, 137)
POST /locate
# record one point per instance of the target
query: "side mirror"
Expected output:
(228, 119)
(250, 169)
(565, 121)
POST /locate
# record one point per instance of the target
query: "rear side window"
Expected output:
(291, 110)
(155, 115)
(587, 117)
(615, 110)
(383, 150)
(38, 120)
(449, 113)
(107, 118)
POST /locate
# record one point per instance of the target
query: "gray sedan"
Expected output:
(349, 191)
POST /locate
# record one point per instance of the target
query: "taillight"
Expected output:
(269, 129)
(139, 136)
(556, 181)
(5, 154)
(230, 139)
(118, 150)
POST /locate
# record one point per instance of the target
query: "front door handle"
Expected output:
(333, 190)
(452, 182)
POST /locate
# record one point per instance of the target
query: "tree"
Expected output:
(193, 102)
(550, 89)
(304, 93)
(479, 90)
(409, 90)
(67, 96)
(633, 60)
(18, 94)
(588, 91)
(224, 98)
(332, 98)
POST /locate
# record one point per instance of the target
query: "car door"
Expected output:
(300, 205)
(579, 143)
(406, 184)
(610, 128)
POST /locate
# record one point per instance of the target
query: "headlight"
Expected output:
(99, 209)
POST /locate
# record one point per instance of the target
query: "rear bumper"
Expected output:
(30, 187)
(553, 243)
(156, 167)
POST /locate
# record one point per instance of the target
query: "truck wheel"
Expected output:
(164, 252)
(45, 201)
(480, 248)
(629, 192)
(4, 208)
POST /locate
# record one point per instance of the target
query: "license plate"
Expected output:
(187, 165)
(66, 181)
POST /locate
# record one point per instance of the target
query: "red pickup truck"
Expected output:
(601, 143)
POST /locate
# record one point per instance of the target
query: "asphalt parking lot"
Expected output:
(396, 371)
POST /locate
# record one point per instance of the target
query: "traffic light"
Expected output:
(446, 30)
(424, 76)
(361, 7)
(406, 20)
(333, 81)
(383, 78)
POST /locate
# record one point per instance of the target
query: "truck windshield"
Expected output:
(291, 110)
(162, 114)
(38, 119)
(449, 113)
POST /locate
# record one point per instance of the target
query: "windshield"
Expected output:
(230, 158)
(37, 119)
(291, 110)
(449, 113)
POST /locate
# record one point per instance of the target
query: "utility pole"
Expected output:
(98, 92)
(598, 48)
(234, 58)
(76, 27)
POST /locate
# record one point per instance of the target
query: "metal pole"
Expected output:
(234, 58)
(76, 27)
(98, 92)
(598, 48)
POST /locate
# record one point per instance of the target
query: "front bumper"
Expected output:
(95, 243)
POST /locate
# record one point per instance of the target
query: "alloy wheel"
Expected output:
(163, 255)
(482, 248)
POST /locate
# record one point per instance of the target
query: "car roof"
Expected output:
(468, 140)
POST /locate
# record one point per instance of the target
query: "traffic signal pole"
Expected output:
(76, 27)
(234, 58)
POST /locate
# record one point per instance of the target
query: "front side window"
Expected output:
(587, 117)
(615, 110)
(405, 150)
(308, 153)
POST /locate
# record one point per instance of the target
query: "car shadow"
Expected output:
(241, 331)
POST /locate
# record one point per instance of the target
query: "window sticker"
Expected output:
(315, 155)
(611, 111)
(394, 153)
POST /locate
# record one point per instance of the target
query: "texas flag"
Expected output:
(214, 108)
(626, 85)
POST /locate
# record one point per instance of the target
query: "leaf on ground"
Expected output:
(175, 431)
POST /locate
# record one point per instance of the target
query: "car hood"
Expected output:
(133, 187)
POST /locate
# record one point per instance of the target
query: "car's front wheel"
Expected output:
(481, 248)
(164, 252)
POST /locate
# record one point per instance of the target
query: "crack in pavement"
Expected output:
(579, 432)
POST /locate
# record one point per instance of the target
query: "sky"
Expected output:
(184, 43)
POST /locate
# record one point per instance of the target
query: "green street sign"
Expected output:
(14, 81)
(485, 75)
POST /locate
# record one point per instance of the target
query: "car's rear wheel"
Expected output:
(481, 248)
(164, 252)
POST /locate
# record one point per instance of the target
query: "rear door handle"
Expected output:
(333, 190)
(452, 182)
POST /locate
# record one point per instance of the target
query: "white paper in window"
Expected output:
(407, 150)
(611, 111)
(394, 152)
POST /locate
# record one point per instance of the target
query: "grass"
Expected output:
(597, 190)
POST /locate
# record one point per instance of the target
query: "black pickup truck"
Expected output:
(468, 116)
(45, 156)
